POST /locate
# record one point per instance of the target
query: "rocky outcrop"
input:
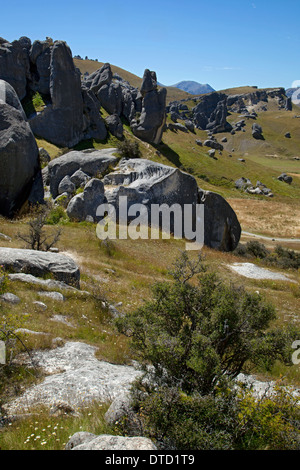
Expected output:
(40, 263)
(90, 162)
(71, 112)
(149, 126)
(114, 94)
(40, 62)
(211, 113)
(61, 122)
(19, 156)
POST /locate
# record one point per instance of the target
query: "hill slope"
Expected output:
(91, 66)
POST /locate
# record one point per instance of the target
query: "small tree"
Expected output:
(36, 238)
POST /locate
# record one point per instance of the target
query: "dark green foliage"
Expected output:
(193, 339)
(129, 149)
(280, 257)
(197, 335)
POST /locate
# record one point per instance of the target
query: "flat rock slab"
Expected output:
(88, 441)
(252, 271)
(76, 378)
(41, 263)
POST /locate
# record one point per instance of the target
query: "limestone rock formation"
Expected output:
(61, 122)
(91, 162)
(149, 126)
(19, 156)
(211, 113)
(14, 64)
(145, 182)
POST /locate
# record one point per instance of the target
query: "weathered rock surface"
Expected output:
(10, 298)
(91, 162)
(76, 378)
(88, 441)
(149, 126)
(40, 59)
(85, 204)
(115, 125)
(19, 156)
(211, 113)
(39, 263)
(145, 182)
(222, 229)
(14, 64)
(61, 122)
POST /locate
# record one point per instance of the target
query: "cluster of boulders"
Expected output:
(211, 110)
(259, 189)
(101, 178)
(72, 105)
(285, 178)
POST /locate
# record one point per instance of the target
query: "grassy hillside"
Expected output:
(91, 66)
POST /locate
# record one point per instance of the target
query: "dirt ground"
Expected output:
(270, 217)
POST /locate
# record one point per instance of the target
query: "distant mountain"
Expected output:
(194, 88)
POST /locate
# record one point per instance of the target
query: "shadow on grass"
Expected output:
(168, 153)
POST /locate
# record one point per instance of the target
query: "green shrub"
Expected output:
(129, 149)
(192, 339)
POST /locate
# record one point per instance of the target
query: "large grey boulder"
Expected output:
(222, 229)
(150, 125)
(61, 122)
(92, 162)
(14, 64)
(146, 182)
(85, 204)
(40, 263)
(19, 156)
(88, 441)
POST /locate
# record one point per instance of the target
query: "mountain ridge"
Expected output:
(194, 88)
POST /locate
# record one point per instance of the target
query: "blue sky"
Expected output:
(223, 43)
